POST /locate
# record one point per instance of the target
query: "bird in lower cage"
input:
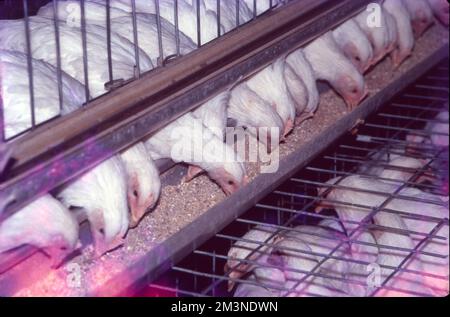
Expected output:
(441, 10)
(187, 140)
(243, 253)
(331, 65)
(364, 253)
(15, 92)
(353, 203)
(405, 34)
(44, 223)
(250, 111)
(421, 15)
(101, 195)
(144, 184)
(43, 46)
(270, 85)
(322, 241)
(214, 113)
(186, 18)
(299, 261)
(400, 169)
(303, 86)
(256, 285)
(436, 133)
(435, 269)
(355, 44)
(121, 22)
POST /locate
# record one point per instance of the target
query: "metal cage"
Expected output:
(383, 134)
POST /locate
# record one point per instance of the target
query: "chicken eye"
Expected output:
(135, 193)
(63, 248)
(354, 91)
(230, 182)
(102, 231)
(358, 58)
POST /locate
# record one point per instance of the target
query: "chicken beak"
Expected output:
(398, 58)
(138, 212)
(101, 247)
(288, 127)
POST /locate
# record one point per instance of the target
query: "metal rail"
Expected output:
(53, 154)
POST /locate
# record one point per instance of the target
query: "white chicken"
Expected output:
(15, 92)
(258, 283)
(405, 35)
(331, 65)
(43, 47)
(187, 140)
(346, 201)
(421, 15)
(187, 16)
(377, 34)
(249, 110)
(144, 185)
(245, 249)
(214, 113)
(44, 223)
(439, 267)
(441, 10)
(270, 85)
(399, 169)
(355, 44)
(306, 101)
(122, 23)
(101, 195)
(436, 132)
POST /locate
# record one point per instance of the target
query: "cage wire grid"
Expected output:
(380, 137)
(26, 9)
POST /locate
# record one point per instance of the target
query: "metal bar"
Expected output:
(108, 40)
(160, 39)
(432, 98)
(428, 87)
(238, 4)
(395, 116)
(218, 17)
(84, 46)
(417, 132)
(198, 24)
(122, 118)
(177, 28)
(58, 54)
(29, 63)
(412, 107)
(135, 38)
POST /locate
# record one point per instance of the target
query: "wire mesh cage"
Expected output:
(397, 246)
(79, 50)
